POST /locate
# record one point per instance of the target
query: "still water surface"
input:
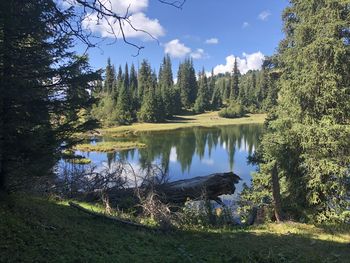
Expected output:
(191, 152)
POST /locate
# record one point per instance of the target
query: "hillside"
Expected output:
(42, 230)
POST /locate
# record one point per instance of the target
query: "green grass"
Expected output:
(81, 161)
(109, 146)
(71, 157)
(210, 119)
(41, 230)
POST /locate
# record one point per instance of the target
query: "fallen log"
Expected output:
(178, 192)
(201, 187)
(115, 219)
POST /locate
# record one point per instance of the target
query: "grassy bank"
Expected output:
(109, 146)
(210, 119)
(39, 230)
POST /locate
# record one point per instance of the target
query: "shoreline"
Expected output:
(206, 120)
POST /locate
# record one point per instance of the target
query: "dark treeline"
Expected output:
(127, 95)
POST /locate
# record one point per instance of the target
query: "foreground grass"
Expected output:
(110, 146)
(39, 230)
(210, 119)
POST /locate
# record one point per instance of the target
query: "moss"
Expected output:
(109, 146)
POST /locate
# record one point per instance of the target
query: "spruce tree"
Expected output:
(234, 92)
(134, 87)
(211, 86)
(110, 78)
(310, 132)
(126, 79)
(144, 80)
(36, 66)
(187, 83)
(124, 105)
(149, 111)
(166, 84)
(202, 102)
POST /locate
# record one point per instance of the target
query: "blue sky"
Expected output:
(213, 32)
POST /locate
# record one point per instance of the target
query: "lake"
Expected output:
(190, 152)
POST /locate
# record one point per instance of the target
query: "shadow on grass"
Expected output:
(179, 119)
(38, 230)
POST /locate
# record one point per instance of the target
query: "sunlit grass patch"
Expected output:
(209, 119)
(109, 146)
(49, 230)
(70, 157)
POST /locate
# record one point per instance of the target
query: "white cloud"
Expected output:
(212, 41)
(65, 3)
(245, 25)
(248, 62)
(264, 15)
(176, 49)
(138, 19)
(121, 6)
(208, 162)
(173, 155)
(198, 54)
(106, 28)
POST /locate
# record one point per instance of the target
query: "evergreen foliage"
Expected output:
(203, 97)
(257, 92)
(110, 78)
(187, 83)
(309, 135)
(43, 96)
(235, 82)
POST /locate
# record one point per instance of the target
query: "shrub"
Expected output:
(234, 110)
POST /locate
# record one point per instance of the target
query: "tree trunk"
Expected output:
(178, 192)
(276, 193)
(3, 87)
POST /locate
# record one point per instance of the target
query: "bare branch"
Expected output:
(177, 4)
(74, 17)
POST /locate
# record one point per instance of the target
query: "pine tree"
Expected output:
(124, 106)
(212, 87)
(134, 87)
(166, 84)
(118, 83)
(216, 101)
(310, 134)
(35, 123)
(144, 80)
(126, 76)
(187, 83)
(234, 92)
(202, 102)
(149, 111)
(110, 78)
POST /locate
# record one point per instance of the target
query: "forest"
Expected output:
(294, 206)
(130, 96)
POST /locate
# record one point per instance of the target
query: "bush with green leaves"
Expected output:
(234, 110)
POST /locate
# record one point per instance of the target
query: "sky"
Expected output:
(212, 32)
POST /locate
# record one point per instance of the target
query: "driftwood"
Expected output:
(178, 192)
(112, 218)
